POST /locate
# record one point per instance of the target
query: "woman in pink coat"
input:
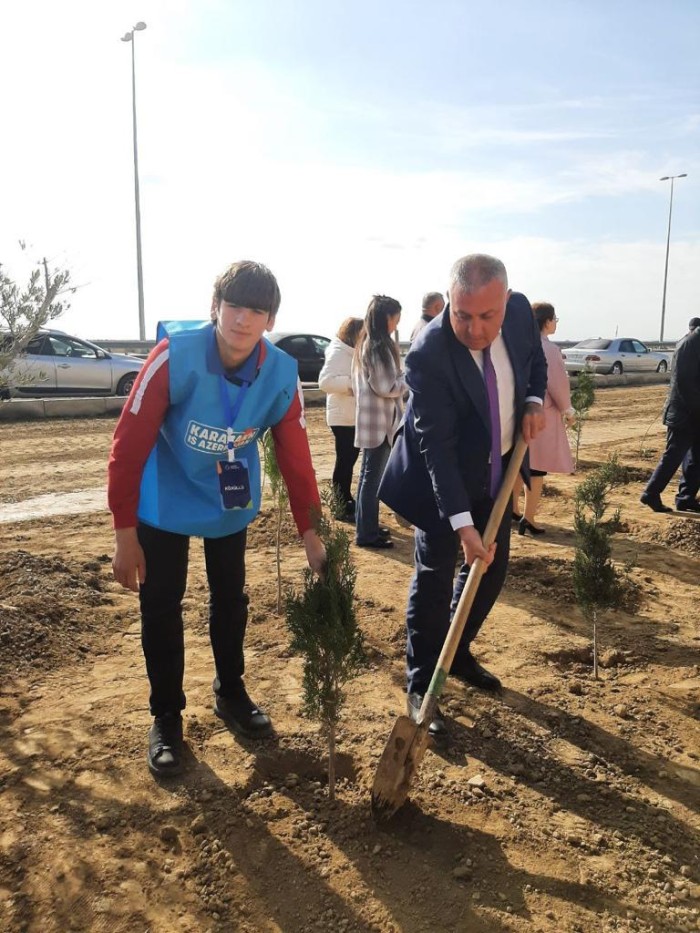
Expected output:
(549, 451)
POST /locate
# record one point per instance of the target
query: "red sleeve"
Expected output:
(135, 436)
(294, 459)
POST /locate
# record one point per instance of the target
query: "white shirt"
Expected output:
(506, 406)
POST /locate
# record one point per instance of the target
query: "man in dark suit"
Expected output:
(477, 373)
(682, 419)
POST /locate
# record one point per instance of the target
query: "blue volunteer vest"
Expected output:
(179, 487)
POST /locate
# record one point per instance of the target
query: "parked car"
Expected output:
(56, 364)
(307, 349)
(619, 355)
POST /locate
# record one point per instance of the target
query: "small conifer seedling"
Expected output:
(596, 581)
(279, 503)
(582, 398)
(321, 619)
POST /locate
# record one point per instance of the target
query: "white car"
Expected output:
(56, 364)
(616, 356)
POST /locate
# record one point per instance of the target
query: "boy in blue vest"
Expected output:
(184, 462)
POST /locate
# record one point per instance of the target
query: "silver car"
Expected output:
(616, 356)
(57, 364)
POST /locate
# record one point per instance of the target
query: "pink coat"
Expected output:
(550, 450)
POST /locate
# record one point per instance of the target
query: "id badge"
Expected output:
(234, 484)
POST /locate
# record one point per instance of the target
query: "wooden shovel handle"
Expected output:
(471, 586)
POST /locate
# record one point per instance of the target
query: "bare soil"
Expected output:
(564, 804)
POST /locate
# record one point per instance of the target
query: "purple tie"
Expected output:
(495, 418)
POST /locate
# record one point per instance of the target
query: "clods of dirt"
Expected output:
(46, 610)
(682, 534)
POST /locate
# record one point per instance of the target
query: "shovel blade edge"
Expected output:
(400, 760)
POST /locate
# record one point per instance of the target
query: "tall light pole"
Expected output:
(129, 37)
(670, 178)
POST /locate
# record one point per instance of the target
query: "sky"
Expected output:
(355, 149)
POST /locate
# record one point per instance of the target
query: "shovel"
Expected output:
(408, 740)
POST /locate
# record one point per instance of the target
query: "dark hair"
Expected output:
(248, 285)
(543, 312)
(350, 330)
(693, 323)
(376, 346)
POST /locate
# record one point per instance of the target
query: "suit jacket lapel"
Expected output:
(509, 339)
(468, 372)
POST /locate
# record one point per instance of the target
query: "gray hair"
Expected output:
(430, 298)
(476, 270)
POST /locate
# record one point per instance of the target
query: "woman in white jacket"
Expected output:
(335, 380)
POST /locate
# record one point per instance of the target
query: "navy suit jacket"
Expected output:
(682, 409)
(439, 465)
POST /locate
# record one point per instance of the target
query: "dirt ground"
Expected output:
(563, 804)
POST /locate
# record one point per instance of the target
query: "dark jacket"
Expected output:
(682, 407)
(439, 465)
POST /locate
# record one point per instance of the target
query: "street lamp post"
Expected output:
(129, 37)
(670, 178)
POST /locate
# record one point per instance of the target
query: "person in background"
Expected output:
(379, 386)
(549, 451)
(432, 305)
(682, 419)
(184, 463)
(477, 378)
(335, 379)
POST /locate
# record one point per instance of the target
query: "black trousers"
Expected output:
(682, 447)
(346, 455)
(162, 634)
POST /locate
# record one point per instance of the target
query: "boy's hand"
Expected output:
(129, 562)
(315, 552)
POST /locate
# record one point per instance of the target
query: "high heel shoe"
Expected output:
(524, 525)
(515, 517)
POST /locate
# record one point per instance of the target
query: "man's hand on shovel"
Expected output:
(533, 421)
(473, 546)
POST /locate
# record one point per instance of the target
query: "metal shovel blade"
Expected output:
(400, 760)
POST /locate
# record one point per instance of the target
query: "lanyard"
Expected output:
(231, 413)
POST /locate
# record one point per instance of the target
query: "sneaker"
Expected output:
(242, 715)
(654, 503)
(165, 745)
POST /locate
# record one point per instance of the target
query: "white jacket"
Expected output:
(335, 380)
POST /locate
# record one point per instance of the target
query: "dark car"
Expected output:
(55, 363)
(307, 349)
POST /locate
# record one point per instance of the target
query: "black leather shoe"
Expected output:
(242, 715)
(379, 543)
(515, 517)
(437, 727)
(692, 505)
(473, 673)
(654, 503)
(165, 745)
